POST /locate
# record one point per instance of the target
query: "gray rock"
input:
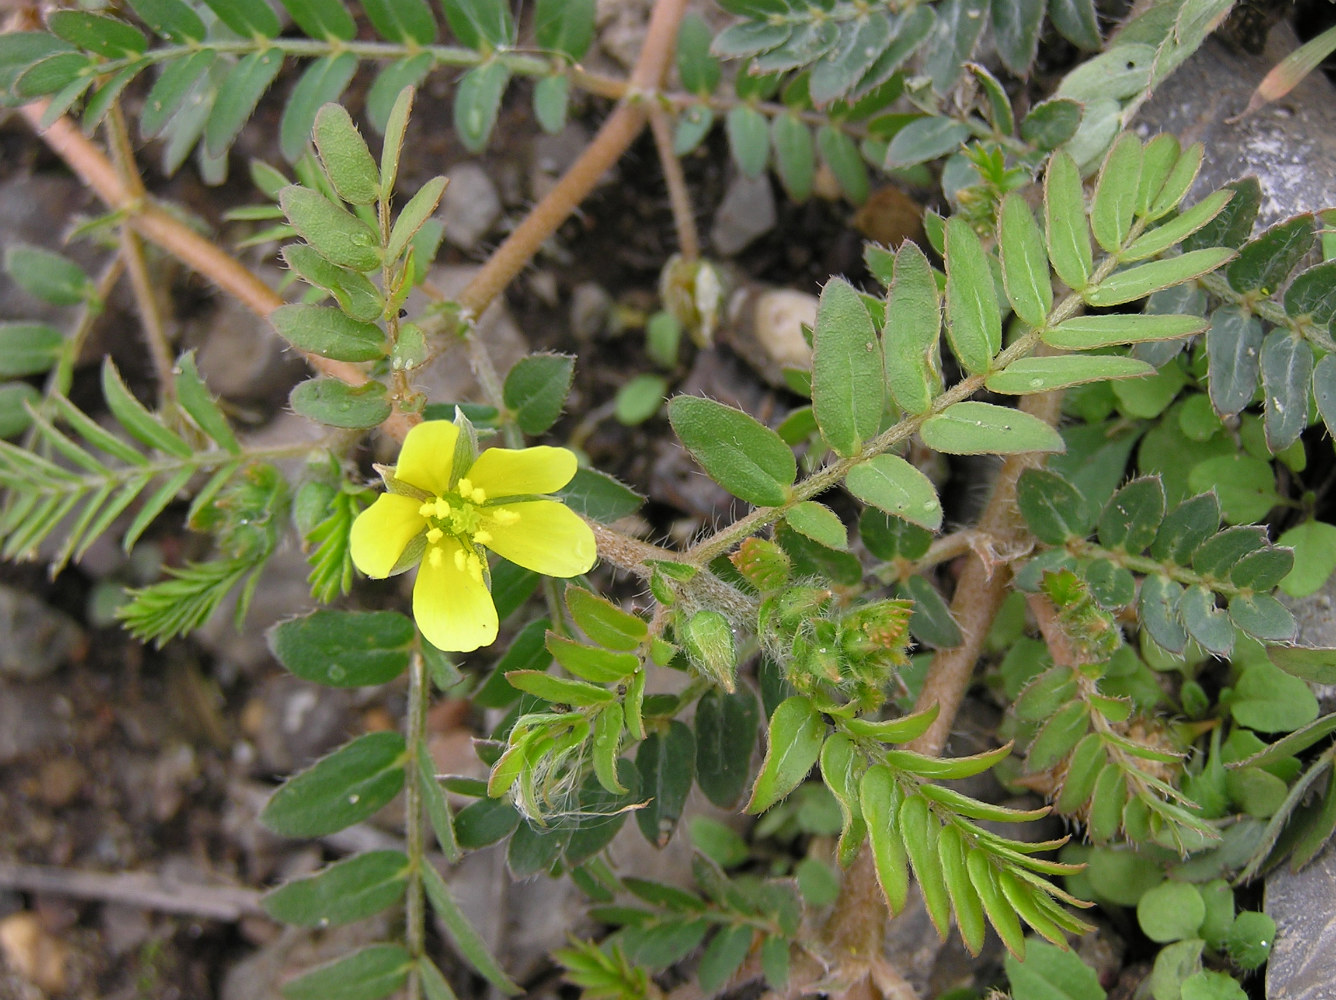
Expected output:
(241, 356)
(1303, 905)
(590, 304)
(29, 720)
(293, 722)
(36, 209)
(746, 213)
(470, 206)
(38, 638)
(1290, 144)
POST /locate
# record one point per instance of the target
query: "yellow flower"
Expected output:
(445, 516)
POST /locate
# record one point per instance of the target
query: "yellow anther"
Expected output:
(428, 508)
(505, 516)
(475, 568)
(442, 508)
(482, 537)
(434, 557)
(435, 535)
(464, 487)
(460, 561)
(477, 495)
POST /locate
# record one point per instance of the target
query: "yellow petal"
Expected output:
(510, 472)
(428, 453)
(453, 610)
(382, 531)
(548, 538)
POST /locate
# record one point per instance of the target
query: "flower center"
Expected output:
(461, 515)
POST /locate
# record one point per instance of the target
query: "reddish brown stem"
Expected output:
(166, 231)
(618, 132)
(859, 922)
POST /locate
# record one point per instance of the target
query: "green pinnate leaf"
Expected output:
(344, 788)
(879, 801)
(840, 153)
(560, 690)
(105, 36)
(972, 428)
(463, 935)
(848, 391)
(28, 348)
(748, 139)
(329, 332)
(345, 156)
(723, 955)
(698, 71)
(893, 485)
(535, 390)
(919, 830)
(666, 765)
(1133, 515)
(367, 974)
(970, 920)
(237, 98)
(1053, 508)
(1016, 26)
(478, 100)
(321, 83)
(345, 648)
(1085, 333)
(1264, 263)
(1263, 617)
(914, 314)
(1287, 370)
(973, 320)
(604, 622)
(925, 139)
(1065, 222)
(335, 233)
(796, 733)
(336, 403)
(349, 890)
(1026, 376)
(1205, 622)
(956, 32)
(405, 21)
(1233, 225)
(742, 455)
(1312, 295)
(1177, 183)
(1158, 607)
(1048, 972)
(1024, 261)
(1115, 203)
(795, 157)
(725, 736)
(48, 276)
(1137, 282)
(480, 24)
(1234, 349)
(1051, 123)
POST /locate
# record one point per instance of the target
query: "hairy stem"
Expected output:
(679, 198)
(415, 932)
